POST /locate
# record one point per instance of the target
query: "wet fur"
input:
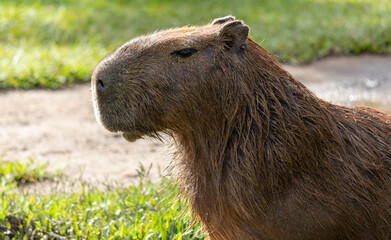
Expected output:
(258, 155)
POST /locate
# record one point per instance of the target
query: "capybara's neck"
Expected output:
(252, 139)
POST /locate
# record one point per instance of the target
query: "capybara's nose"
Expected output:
(100, 85)
(102, 78)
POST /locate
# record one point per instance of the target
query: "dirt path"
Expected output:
(58, 127)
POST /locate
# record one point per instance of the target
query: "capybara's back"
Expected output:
(258, 155)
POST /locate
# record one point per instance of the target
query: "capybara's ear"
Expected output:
(223, 20)
(234, 34)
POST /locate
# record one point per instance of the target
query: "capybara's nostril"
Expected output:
(100, 85)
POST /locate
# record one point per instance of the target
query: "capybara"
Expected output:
(258, 155)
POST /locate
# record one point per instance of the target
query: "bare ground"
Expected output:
(59, 127)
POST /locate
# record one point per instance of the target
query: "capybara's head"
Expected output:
(155, 82)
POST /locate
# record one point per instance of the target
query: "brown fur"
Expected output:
(259, 156)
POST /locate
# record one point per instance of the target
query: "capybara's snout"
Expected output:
(103, 79)
(103, 86)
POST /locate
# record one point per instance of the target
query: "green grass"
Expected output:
(145, 211)
(18, 173)
(51, 43)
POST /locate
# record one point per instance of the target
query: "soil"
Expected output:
(58, 127)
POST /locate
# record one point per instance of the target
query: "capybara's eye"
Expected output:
(184, 53)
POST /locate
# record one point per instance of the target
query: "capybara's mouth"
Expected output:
(132, 136)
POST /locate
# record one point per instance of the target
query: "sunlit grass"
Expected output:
(53, 43)
(18, 173)
(145, 211)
